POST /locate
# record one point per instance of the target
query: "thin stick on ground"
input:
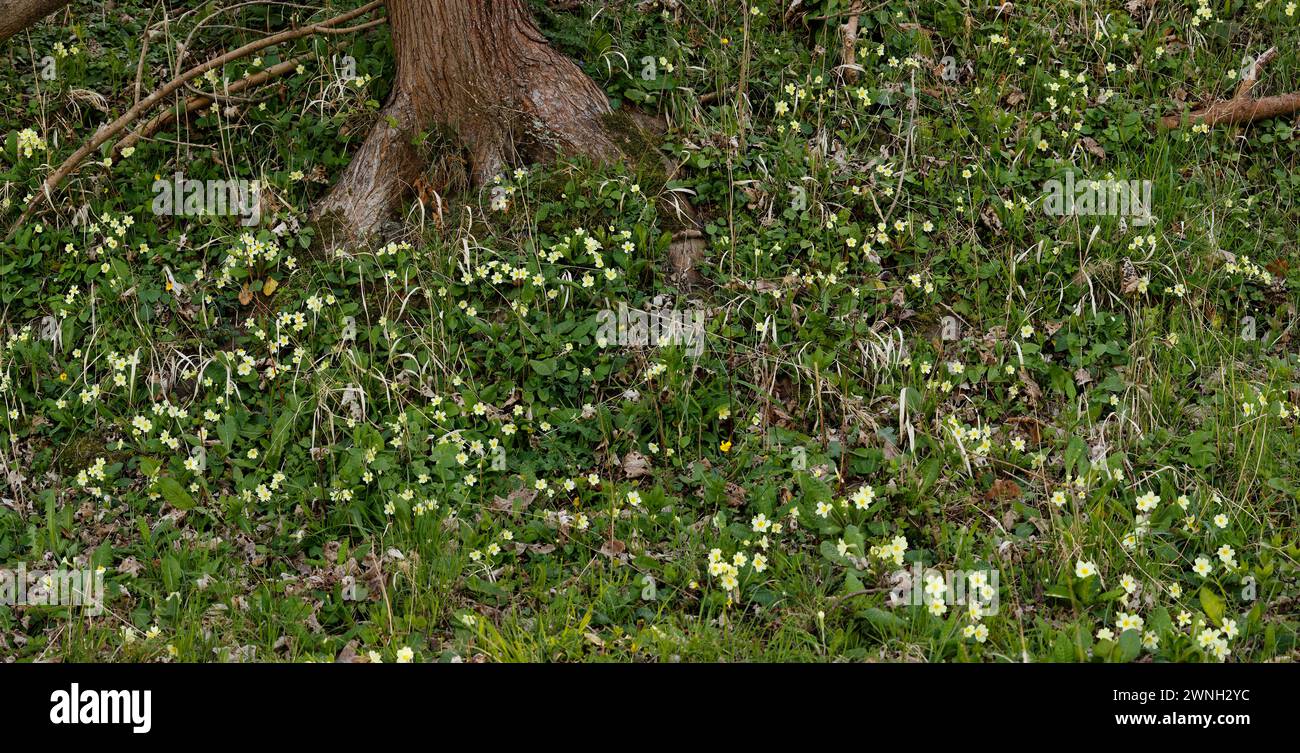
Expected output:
(1242, 108)
(199, 102)
(148, 103)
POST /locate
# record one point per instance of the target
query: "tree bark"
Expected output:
(16, 15)
(482, 70)
(1243, 108)
(1239, 111)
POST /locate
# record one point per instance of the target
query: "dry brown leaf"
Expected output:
(1003, 489)
(516, 501)
(348, 655)
(373, 577)
(989, 217)
(1029, 425)
(1131, 279)
(1032, 391)
(635, 465)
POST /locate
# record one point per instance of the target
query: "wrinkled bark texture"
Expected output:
(482, 70)
(16, 15)
(1239, 111)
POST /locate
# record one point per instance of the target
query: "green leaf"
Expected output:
(1063, 649)
(227, 431)
(172, 573)
(830, 552)
(1212, 604)
(884, 621)
(1076, 454)
(1059, 592)
(930, 471)
(485, 587)
(281, 431)
(1130, 645)
(175, 494)
(1086, 589)
(544, 368)
(1111, 595)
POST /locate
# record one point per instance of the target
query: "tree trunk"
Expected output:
(16, 15)
(482, 70)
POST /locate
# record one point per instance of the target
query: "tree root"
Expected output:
(849, 68)
(375, 181)
(485, 74)
(385, 169)
(1242, 108)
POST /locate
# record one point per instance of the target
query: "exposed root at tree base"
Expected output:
(1239, 111)
(485, 73)
(379, 176)
(1242, 108)
(387, 167)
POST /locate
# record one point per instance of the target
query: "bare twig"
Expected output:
(148, 103)
(144, 50)
(202, 100)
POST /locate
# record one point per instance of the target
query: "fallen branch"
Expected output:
(148, 103)
(201, 101)
(1242, 108)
